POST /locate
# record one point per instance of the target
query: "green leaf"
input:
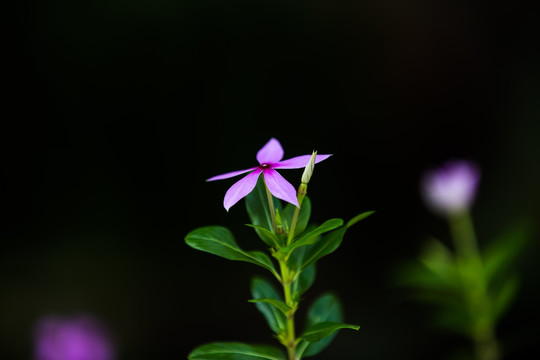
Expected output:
(257, 206)
(262, 289)
(325, 308)
(499, 255)
(267, 236)
(219, 241)
(359, 217)
(505, 296)
(303, 215)
(235, 351)
(304, 281)
(325, 245)
(328, 243)
(319, 331)
(284, 308)
(314, 234)
(437, 259)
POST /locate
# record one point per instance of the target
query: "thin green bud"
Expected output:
(310, 167)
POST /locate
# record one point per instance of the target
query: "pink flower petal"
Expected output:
(240, 189)
(279, 187)
(230, 175)
(299, 162)
(272, 152)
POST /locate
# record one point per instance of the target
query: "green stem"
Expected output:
(302, 191)
(271, 208)
(289, 339)
(475, 289)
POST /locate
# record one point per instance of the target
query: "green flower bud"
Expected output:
(310, 167)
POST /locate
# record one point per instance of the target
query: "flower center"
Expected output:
(265, 166)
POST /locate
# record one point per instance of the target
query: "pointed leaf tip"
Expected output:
(319, 331)
(359, 217)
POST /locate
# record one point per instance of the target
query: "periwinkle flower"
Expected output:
(78, 338)
(451, 189)
(269, 158)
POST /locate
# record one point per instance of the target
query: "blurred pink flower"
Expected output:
(78, 338)
(451, 189)
(269, 158)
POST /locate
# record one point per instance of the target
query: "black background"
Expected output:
(117, 111)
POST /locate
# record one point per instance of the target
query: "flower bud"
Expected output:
(310, 167)
(451, 189)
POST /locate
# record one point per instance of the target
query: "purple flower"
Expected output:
(451, 189)
(269, 158)
(79, 338)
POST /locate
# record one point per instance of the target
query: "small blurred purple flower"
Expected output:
(451, 189)
(79, 338)
(269, 158)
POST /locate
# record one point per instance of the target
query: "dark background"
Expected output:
(116, 111)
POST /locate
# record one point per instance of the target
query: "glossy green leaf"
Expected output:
(327, 244)
(262, 289)
(303, 215)
(219, 241)
(325, 308)
(269, 238)
(235, 351)
(257, 206)
(319, 331)
(312, 236)
(303, 282)
(280, 305)
(359, 217)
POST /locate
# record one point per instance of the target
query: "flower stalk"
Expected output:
(475, 286)
(271, 208)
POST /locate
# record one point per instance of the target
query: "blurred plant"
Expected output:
(471, 288)
(77, 338)
(295, 245)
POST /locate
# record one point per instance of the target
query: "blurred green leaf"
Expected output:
(257, 207)
(454, 319)
(280, 305)
(235, 351)
(262, 289)
(319, 331)
(303, 215)
(439, 260)
(435, 271)
(304, 281)
(219, 241)
(325, 308)
(269, 238)
(312, 236)
(504, 296)
(500, 254)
